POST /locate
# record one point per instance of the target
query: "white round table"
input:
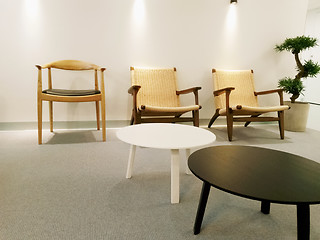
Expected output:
(165, 136)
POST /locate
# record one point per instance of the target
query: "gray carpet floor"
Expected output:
(74, 187)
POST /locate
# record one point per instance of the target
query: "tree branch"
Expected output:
(299, 65)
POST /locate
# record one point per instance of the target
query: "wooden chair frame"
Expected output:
(248, 116)
(139, 116)
(73, 65)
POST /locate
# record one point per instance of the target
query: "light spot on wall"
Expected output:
(231, 21)
(230, 50)
(31, 8)
(30, 23)
(139, 12)
(138, 31)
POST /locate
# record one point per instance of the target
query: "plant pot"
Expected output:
(295, 118)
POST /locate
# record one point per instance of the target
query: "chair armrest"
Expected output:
(39, 82)
(227, 91)
(268, 92)
(102, 87)
(134, 89)
(223, 90)
(189, 90)
(279, 91)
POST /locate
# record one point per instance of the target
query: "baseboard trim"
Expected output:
(14, 126)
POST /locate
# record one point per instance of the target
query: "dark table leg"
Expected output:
(265, 207)
(303, 221)
(201, 207)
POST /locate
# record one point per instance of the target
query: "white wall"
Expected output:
(192, 35)
(312, 85)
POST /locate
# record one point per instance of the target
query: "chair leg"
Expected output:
(51, 115)
(98, 115)
(137, 118)
(39, 121)
(214, 117)
(132, 118)
(195, 115)
(103, 118)
(174, 120)
(281, 123)
(247, 123)
(230, 126)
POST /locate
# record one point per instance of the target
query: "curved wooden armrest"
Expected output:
(279, 91)
(268, 92)
(223, 90)
(189, 90)
(134, 89)
(102, 69)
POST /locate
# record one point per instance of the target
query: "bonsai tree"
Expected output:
(295, 45)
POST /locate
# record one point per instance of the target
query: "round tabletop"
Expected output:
(258, 173)
(165, 135)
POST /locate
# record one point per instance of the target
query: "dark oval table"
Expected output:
(262, 174)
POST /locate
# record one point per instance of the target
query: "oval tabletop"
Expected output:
(259, 173)
(165, 135)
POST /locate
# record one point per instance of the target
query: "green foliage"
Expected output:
(290, 85)
(308, 69)
(311, 69)
(297, 44)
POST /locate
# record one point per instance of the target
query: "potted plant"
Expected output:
(296, 117)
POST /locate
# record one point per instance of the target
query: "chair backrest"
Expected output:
(73, 65)
(241, 80)
(158, 86)
(76, 65)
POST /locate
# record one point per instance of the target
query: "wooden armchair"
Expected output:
(156, 98)
(65, 95)
(235, 96)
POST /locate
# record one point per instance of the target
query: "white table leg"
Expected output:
(187, 156)
(131, 160)
(174, 175)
